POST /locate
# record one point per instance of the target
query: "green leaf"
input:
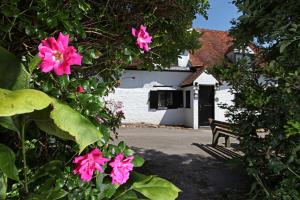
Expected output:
(7, 162)
(50, 194)
(8, 123)
(137, 177)
(49, 169)
(57, 194)
(23, 79)
(122, 146)
(46, 124)
(99, 181)
(82, 129)
(3, 185)
(105, 132)
(138, 161)
(130, 195)
(22, 101)
(9, 69)
(156, 188)
(110, 190)
(34, 62)
(284, 45)
(128, 152)
(64, 117)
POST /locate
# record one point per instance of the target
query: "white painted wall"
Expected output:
(134, 93)
(222, 95)
(135, 88)
(206, 79)
(189, 112)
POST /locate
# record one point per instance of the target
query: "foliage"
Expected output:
(267, 95)
(45, 120)
(98, 29)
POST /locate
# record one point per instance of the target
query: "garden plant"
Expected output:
(58, 61)
(266, 110)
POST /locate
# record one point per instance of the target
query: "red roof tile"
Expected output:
(190, 79)
(215, 46)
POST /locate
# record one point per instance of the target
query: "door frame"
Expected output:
(212, 101)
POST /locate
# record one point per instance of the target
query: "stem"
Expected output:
(120, 195)
(24, 156)
(297, 175)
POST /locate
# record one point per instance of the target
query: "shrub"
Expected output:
(267, 95)
(51, 111)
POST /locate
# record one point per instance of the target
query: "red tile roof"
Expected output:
(190, 79)
(215, 46)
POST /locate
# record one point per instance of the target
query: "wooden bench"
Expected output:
(221, 129)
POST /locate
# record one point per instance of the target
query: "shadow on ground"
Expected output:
(199, 177)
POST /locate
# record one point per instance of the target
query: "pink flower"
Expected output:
(143, 37)
(121, 168)
(87, 164)
(80, 89)
(57, 55)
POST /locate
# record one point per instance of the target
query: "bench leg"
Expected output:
(227, 141)
(215, 139)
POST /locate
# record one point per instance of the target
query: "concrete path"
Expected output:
(186, 158)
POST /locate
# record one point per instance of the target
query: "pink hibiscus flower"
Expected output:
(87, 164)
(143, 37)
(57, 55)
(121, 168)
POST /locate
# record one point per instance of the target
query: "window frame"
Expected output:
(176, 96)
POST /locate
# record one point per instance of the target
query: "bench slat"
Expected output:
(221, 129)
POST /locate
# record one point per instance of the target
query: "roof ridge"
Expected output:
(211, 30)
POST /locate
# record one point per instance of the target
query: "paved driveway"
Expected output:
(186, 158)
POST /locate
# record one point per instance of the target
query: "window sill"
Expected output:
(165, 108)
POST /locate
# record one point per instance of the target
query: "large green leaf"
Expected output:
(3, 185)
(9, 69)
(82, 129)
(156, 188)
(46, 124)
(7, 122)
(7, 162)
(22, 101)
(68, 124)
(23, 80)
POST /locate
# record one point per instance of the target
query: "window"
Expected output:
(188, 99)
(166, 99)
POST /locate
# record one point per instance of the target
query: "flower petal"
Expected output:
(63, 39)
(134, 32)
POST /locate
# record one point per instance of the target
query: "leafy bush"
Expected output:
(48, 118)
(267, 95)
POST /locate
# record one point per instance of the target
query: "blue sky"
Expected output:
(220, 14)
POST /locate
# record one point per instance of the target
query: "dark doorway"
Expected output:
(206, 104)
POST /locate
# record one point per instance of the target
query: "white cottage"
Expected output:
(181, 95)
